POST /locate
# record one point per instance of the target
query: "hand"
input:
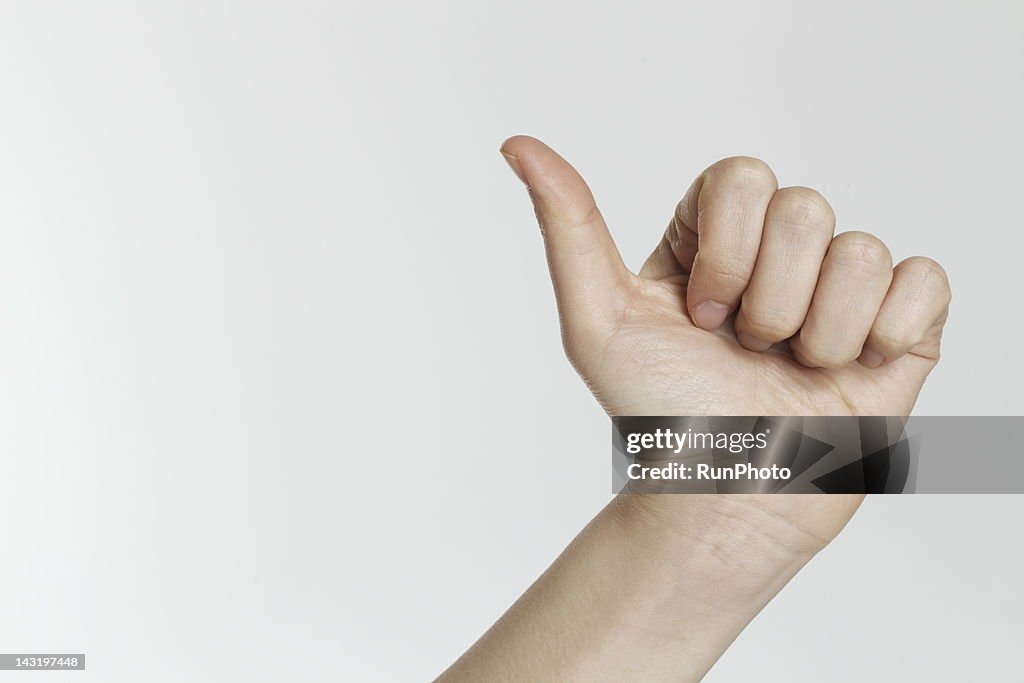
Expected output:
(748, 306)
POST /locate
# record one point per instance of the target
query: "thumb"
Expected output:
(586, 269)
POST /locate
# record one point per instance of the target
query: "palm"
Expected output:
(676, 368)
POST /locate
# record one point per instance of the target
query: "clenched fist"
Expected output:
(748, 306)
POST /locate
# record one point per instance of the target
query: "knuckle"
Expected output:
(802, 206)
(685, 209)
(929, 275)
(824, 356)
(890, 335)
(767, 323)
(682, 213)
(827, 359)
(862, 251)
(722, 271)
(678, 232)
(744, 171)
(581, 220)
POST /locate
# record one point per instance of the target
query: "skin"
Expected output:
(749, 305)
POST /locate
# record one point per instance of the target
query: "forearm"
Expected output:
(655, 588)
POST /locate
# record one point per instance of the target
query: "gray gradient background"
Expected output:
(251, 253)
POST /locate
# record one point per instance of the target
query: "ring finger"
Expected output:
(855, 276)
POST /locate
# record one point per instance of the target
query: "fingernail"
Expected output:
(513, 163)
(870, 358)
(710, 314)
(749, 341)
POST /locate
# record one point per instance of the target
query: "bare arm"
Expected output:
(655, 588)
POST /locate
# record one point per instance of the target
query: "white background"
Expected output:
(281, 390)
